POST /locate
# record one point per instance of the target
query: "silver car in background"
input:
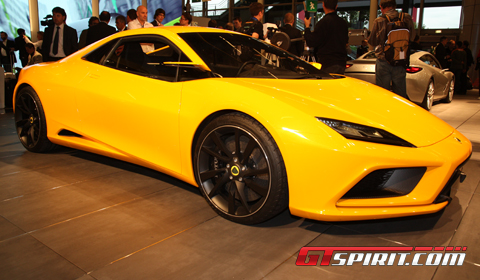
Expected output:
(427, 82)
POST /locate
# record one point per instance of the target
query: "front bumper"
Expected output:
(321, 198)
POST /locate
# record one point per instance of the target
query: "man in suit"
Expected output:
(20, 46)
(100, 30)
(60, 40)
(82, 42)
(7, 55)
(296, 47)
(441, 52)
(34, 56)
(121, 23)
(158, 17)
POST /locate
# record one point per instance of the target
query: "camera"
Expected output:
(48, 21)
(271, 31)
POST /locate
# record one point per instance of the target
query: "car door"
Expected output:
(440, 80)
(131, 99)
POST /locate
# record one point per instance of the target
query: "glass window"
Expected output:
(235, 55)
(430, 60)
(150, 56)
(99, 55)
(435, 17)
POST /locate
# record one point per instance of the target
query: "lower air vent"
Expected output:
(387, 183)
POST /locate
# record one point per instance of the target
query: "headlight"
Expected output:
(364, 133)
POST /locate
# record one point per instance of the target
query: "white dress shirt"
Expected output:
(135, 24)
(61, 52)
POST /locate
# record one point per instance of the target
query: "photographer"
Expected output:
(60, 40)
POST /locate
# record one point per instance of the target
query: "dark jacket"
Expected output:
(441, 54)
(20, 46)
(70, 41)
(6, 59)
(99, 31)
(295, 47)
(330, 39)
(154, 23)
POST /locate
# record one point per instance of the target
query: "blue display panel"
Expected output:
(15, 14)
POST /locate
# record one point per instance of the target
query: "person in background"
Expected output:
(101, 30)
(441, 52)
(185, 19)
(60, 40)
(468, 51)
(131, 15)
(415, 45)
(362, 49)
(387, 76)
(237, 23)
(38, 43)
(82, 42)
(7, 55)
(121, 23)
(450, 47)
(330, 38)
(141, 20)
(20, 46)
(458, 66)
(34, 56)
(229, 26)
(295, 47)
(212, 23)
(158, 17)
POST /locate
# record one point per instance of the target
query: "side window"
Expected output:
(99, 55)
(425, 59)
(433, 62)
(146, 56)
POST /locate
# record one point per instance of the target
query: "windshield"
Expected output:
(235, 55)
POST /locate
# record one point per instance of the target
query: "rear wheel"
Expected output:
(30, 121)
(240, 170)
(428, 99)
(451, 89)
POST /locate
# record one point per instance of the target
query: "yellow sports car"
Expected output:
(255, 128)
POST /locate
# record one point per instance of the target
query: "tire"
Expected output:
(240, 170)
(428, 99)
(30, 121)
(451, 90)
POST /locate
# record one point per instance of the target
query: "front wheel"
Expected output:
(239, 170)
(428, 99)
(30, 121)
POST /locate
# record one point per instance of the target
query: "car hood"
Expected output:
(359, 102)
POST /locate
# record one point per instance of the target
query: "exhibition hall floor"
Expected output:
(75, 215)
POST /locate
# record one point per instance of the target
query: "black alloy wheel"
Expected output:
(240, 170)
(30, 121)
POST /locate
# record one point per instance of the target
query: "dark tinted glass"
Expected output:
(234, 55)
(147, 56)
(99, 55)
